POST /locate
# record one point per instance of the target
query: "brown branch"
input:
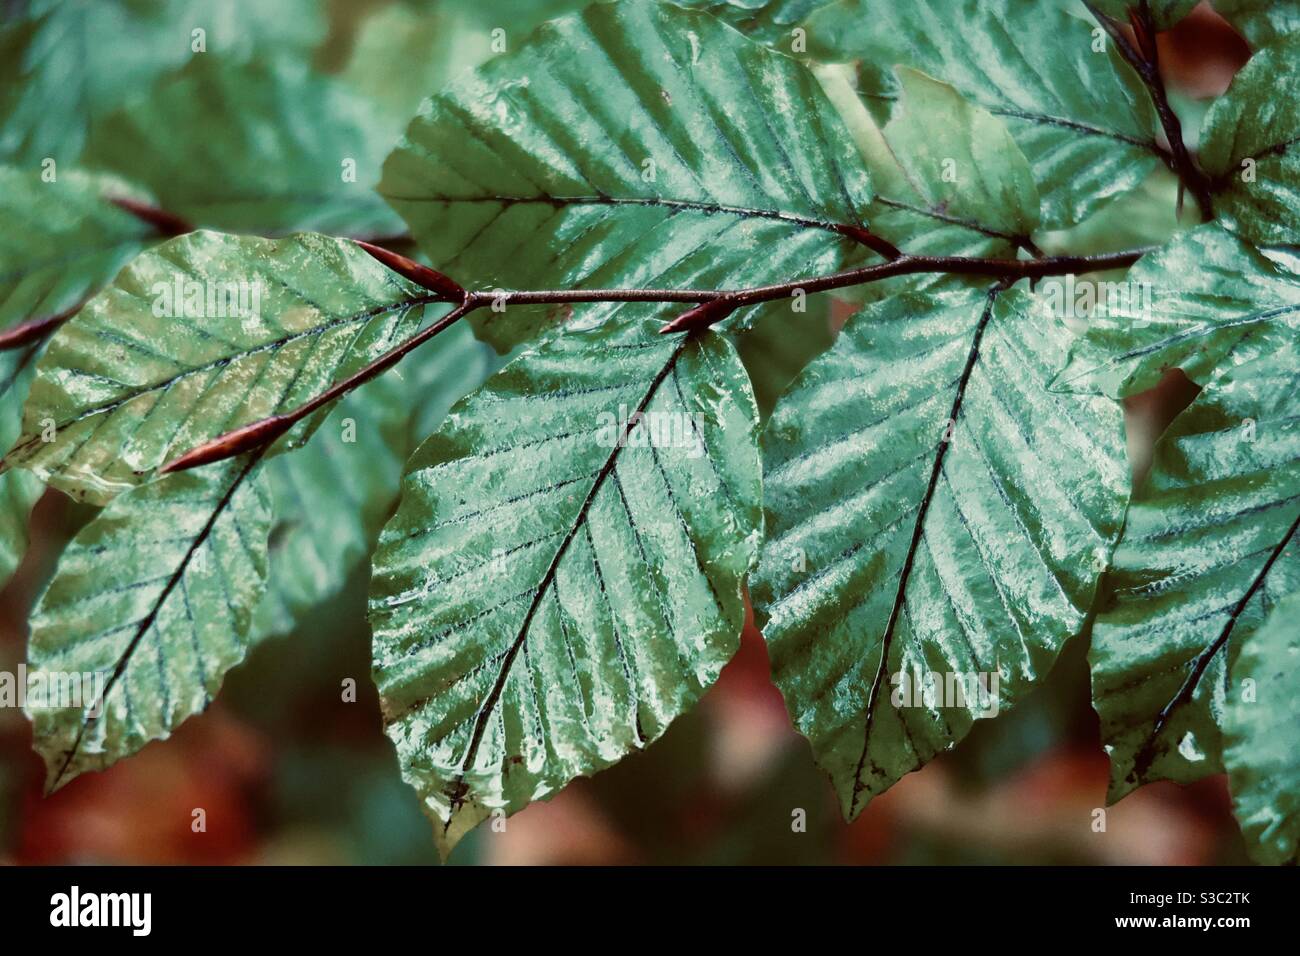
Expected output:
(710, 307)
(248, 437)
(1012, 269)
(33, 330)
(1146, 63)
(167, 224)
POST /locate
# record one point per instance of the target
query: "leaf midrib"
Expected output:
(744, 212)
(918, 531)
(1046, 119)
(1146, 754)
(276, 344)
(148, 620)
(931, 213)
(488, 706)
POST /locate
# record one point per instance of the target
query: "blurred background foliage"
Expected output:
(287, 771)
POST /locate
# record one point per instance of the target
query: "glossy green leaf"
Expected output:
(266, 148)
(18, 492)
(1213, 299)
(635, 144)
(1083, 118)
(926, 495)
(1251, 145)
(150, 606)
(143, 374)
(66, 64)
(1260, 736)
(402, 55)
(948, 177)
(767, 21)
(404, 52)
(62, 240)
(333, 496)
(1147, 216)
(557, 587)
(1210, 546)
(1261, 21)
(776, 349)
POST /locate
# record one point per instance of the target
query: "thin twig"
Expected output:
(166, 224)
(1147, 65)
(33, 330)
(710, 307)
(267, 430)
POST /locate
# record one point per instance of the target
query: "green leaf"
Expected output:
(549, 598)
(18, 492)
(767, 21)
(401, 56)
(1261, 21)
(62, 241)
(961, 549)
(1260, 736)
(1147, 216)
(634, 144)
(262, 148)
(948, 177)
(1213, 300)
(135, 380)
(333, 496)
(66, 64)
(1209, 548)
(776, 349)
(1251, 145)
(1083, 118)
(154, 597)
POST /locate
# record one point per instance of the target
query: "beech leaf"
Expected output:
(563, 576)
